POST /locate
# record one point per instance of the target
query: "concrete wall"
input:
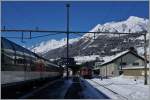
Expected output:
(109, 70)
(134, 72)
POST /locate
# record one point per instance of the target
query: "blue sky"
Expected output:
(52, 16)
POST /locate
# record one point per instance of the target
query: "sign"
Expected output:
(71, 61)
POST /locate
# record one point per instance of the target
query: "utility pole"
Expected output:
(67, 5)
(145, 63)
(106, 71)
(121, 67)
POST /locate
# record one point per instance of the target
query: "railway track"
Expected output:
(120, 96)
(74, 91)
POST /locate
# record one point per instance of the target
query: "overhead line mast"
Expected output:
(67, 5)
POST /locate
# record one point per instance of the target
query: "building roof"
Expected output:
(110, 59)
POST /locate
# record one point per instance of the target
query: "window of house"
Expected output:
(123, 63)
(135, 64)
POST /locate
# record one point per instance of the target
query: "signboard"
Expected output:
(71, 61)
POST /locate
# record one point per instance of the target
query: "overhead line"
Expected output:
(30, 37)
(43, 35)
(15, 37)
(41, 31)
(75, 32)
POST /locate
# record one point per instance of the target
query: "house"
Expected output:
(127, 63)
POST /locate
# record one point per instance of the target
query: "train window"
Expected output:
(28, 58)
(19, 52)
(89, 70)
(8, 52)
(20, 61)
(2, 54)
(84, 69)
(31, 61)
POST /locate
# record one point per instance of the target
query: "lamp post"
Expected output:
(67, 5)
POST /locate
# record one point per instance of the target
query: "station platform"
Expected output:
(71, 88)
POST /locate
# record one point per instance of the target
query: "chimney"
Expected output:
(132, 49)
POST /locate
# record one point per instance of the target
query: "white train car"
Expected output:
(18, 64)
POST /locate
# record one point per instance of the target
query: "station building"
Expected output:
(127, 63)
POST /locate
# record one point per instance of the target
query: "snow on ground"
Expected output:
(123, 87)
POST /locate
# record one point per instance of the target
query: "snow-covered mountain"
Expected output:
(132, 24)
(102, 44)
(46, 46)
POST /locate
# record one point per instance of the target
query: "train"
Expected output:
(86, 72)
(20, 65)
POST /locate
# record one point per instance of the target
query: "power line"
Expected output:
(30, 36)
(26, 30)
(74, 32)
(44, 35)
(15, 37)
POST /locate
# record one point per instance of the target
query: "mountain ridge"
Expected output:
(88, 46)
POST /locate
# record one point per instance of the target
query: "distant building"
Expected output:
(127, 63)
(86, 72)
(96, 67)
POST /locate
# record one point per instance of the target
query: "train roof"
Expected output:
(15, 45)
(3, 39)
